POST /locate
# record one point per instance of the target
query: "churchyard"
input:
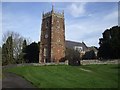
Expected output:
(65, 76)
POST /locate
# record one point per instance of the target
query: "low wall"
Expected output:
(85, 62)
(34, 64)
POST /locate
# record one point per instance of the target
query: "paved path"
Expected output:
(14, 81)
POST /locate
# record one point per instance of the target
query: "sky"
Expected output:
(84, 21)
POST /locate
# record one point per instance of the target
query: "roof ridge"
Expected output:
(73, 41)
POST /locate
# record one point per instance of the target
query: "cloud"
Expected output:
(84, 32)
(90, 30)
(112, 16)
(59, 0)
(76, 9)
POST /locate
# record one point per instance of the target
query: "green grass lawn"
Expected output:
(62, 76)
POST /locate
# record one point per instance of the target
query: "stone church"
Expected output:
(52, 46)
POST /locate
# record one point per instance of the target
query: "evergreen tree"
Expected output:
(0, 55)
(7, 52)
(9, 46)
(32, 53)
(110, 44)
(89, 55)
(24, 45)
(4, 55)
(21, 58)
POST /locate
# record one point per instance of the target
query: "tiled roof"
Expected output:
(72, 44)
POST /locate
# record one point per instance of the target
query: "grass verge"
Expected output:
(62, 76)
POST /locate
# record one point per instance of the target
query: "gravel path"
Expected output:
(14, 81)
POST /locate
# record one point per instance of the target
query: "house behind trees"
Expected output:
(85, 51)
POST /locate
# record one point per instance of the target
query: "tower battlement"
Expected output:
(55, 13)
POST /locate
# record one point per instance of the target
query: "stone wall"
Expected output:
(85, 62)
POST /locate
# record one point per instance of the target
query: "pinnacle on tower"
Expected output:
(52, 8)
(63, 12)
(43, 13)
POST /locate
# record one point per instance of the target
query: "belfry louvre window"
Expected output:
(47, 24)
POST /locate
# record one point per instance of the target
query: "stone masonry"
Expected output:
(52, 46)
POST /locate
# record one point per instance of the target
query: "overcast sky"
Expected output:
(84, 21)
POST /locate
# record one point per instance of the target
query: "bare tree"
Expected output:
(17, 42)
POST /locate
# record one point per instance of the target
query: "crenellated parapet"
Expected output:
(54, 13)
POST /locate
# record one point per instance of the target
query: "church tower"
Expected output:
(52, 45)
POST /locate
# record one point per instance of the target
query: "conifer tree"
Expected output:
(4, 55)
(7, 51)
(22, 54)
(110, 44)
(9, 48)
